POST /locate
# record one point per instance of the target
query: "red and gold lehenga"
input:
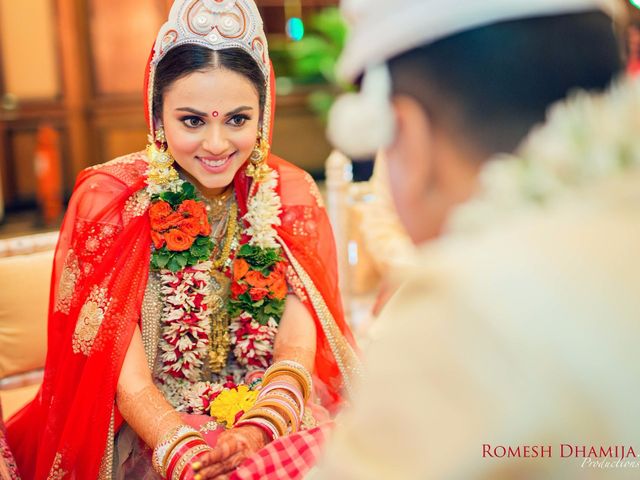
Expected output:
(101, 292)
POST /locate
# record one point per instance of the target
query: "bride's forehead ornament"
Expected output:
(215, 24)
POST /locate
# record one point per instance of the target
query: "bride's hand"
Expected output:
(232, 448)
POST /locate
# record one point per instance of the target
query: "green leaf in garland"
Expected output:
(188, 191)
(173, 265)
(273, 308)
(182, 259)
(162, 258)
(246, 250)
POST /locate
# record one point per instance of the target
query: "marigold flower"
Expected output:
(178, 241)
(230, 402)
(238, 289)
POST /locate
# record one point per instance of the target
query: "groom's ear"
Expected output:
(411, 149)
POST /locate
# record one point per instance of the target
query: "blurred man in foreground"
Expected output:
(511, 351)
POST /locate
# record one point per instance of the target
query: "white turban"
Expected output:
(382, 29)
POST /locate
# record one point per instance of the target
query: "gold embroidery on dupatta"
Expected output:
(313, 189)
(106, 466)
(56, 472)
(136, 205)
(89, 320)
(67, 284)
(348, 362)
(296, 285)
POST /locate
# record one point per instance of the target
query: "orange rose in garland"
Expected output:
(279, 288)
(178, 241)
(158, 212)
(259, 284)
(190, 226)
(240, 268)
(179, 229)
(256, 279)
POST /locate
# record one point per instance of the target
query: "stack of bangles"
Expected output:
(280, 404)
(174, 455)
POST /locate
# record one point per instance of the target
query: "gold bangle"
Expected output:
(163, 447)
(172, 438)
(293, 366)
(269, 414)
(296, 375)
(281, 407)
(186, 459)
(186, 437)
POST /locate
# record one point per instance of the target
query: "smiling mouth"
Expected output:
(215, 162)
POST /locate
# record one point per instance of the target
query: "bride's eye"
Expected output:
(239, 120)
(192, 122)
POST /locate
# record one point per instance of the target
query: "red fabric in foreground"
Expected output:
(288, 458)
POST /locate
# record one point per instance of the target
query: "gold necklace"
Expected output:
(217, 207)
(220, 283)
(232, 226)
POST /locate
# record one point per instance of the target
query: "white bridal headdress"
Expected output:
(218, 25)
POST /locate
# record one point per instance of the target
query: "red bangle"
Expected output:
(179, 451)
(184, 470)
(188, 473)
(270, 433)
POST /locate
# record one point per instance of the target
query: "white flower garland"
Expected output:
(185, 321)
(253, 342)
(586, 138)
(263, 213)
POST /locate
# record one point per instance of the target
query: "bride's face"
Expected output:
(211, 122)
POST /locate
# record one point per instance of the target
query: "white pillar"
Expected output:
(339, 175)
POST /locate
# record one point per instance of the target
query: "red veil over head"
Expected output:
(99, 277)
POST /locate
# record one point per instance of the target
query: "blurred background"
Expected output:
(71, 76)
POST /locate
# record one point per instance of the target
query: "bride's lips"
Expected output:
(217, 163)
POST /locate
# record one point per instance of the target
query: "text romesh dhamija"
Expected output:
(563, 450)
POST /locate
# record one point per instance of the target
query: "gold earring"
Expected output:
(161, 171)
(160, 136)
(257, 168)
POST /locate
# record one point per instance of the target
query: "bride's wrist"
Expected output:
(178, 449)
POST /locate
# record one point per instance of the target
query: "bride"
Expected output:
(195, 311)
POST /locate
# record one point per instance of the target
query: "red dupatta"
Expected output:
(99, 278)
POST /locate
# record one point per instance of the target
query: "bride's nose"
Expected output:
(215, 142)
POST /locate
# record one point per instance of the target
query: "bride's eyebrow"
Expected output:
(191, 110)
(235, 111)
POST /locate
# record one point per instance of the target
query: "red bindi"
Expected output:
(215, 114)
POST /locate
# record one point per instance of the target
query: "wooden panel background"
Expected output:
(89, 68)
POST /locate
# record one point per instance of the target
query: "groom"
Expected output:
(511, 350)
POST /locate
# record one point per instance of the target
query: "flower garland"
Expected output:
(180, 229)
(181, 254)
(586, 138)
